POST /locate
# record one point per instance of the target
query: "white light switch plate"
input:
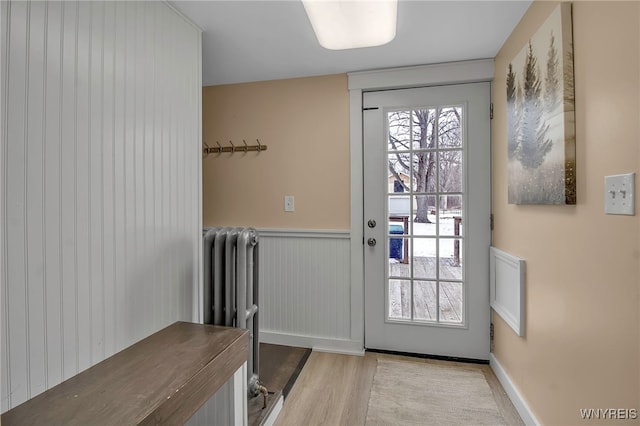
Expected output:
(289, 205)
(619, 194)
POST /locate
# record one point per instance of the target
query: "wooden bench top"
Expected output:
(163, 379)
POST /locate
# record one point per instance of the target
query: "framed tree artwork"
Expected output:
(541, 142)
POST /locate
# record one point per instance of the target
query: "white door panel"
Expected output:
(426, 258)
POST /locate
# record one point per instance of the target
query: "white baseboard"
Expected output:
(512, 391)
(318, 344)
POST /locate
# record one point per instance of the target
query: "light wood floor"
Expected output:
(334, 389)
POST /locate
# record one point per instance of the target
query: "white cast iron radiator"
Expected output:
(231, 287)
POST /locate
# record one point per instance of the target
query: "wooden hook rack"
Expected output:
(232, 148)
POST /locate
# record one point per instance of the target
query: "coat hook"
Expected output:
(219, 149)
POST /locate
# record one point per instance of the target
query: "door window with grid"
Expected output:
(425, 193)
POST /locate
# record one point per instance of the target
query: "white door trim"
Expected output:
(359, 82)
(422, 76)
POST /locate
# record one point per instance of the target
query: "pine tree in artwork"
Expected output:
(552, 83)
(534, 144)
(513, 116)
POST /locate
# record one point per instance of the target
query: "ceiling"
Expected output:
(255, 40)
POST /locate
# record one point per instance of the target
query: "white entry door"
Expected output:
(427, 202)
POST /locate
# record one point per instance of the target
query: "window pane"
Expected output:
(399, 172)
(399, 299)
(450, 128)
(423, 128)
(450, 258)
(424, 215)
(450, 168)
(399, 130)
(424, 171)
(450, 218)
(424, 300)
(399, 259)
(399, 206)
(424, 258)
(451, 302)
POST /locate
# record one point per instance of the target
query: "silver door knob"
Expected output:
(371, 242)
(371, 223)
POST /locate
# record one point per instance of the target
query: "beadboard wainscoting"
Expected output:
(305, 289)
(101, 171)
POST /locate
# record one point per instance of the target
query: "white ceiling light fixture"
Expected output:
(350, 24)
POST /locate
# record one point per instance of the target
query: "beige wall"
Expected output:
(581, 348)
(305, 124)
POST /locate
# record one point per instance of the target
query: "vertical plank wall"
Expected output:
(305, 289)
(101, 172)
